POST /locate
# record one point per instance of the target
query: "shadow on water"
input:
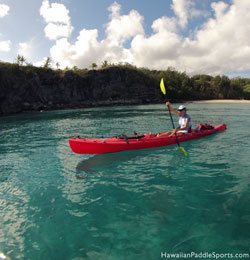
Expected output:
(99, 162)
(109, 165)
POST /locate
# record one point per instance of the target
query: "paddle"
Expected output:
(181, 149)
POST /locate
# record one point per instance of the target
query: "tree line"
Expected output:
(22, 61)
(180, 85)
(202, 86)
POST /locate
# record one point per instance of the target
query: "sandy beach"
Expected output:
(222, 101)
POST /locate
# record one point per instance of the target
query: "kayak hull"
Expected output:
(116, 144)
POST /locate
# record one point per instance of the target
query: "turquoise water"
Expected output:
(131, 205)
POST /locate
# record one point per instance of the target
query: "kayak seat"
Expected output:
(125, 137)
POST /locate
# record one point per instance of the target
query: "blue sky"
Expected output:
(196, 36)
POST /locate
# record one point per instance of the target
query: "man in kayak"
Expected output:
(184, 121)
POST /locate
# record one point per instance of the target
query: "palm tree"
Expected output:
(20, 59)
(47, 63)
(94, 66)
(105, 64)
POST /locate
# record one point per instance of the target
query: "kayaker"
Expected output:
(184, 120)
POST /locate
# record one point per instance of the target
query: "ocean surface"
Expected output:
(55, 204)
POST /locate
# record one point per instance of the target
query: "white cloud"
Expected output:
(219, 8)
(5, 46)
(4, 10)
(123, 27)
(220, 45)
(154, 49)
(185, 10)
(181, 9)
(87, 49)
(28, 50)
(114, 10)
(24, 48)
(58, 20)
(81, 52)
(62, 52)
(223, 41)
(164, 24)
(54, 13)
(55, 31)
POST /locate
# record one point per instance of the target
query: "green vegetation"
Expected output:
(47, 63)
(105, 64)
(20, 60)
(246, 91)
(93, 66)
(180, 86)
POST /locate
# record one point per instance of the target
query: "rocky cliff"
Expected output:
(27, 88)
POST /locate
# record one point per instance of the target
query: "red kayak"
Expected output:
(123, 143)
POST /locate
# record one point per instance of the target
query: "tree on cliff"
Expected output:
(105, 64)
(47, 63)
(94, 66)
(20, 60)
(75, 68)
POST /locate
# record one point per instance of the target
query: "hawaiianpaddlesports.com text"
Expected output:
(206, 255)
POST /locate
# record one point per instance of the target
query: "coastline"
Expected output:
(29, 88)
(221, 101)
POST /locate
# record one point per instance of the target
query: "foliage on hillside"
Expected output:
(26, 87)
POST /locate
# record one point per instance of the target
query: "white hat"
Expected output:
(181, 107)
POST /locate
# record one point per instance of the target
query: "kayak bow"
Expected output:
(118, 144)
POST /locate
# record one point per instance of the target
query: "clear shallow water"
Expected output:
(132, 205)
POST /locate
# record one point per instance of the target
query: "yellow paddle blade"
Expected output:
(162, 86)
(183, 151)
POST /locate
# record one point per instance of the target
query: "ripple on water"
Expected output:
(58, 205)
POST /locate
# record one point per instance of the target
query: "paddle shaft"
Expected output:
(177, 141)
(163, 90)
